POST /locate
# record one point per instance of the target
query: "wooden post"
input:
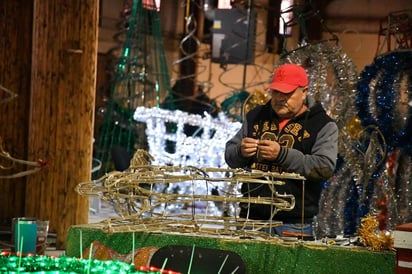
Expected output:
(64, 58)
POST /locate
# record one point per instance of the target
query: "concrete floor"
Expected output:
(100, 210)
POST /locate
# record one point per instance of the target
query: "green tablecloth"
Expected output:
(259, 256)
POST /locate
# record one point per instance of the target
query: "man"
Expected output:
(291, 133)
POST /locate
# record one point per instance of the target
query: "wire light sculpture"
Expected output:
(145, 198)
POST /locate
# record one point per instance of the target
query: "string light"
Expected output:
(205, 149)
(40, 264)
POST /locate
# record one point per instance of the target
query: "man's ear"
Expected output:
(305, 92)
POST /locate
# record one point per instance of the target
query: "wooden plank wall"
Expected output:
(60, 110)
(15, 74)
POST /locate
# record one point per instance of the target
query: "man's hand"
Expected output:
(268, 150)
(248, 147)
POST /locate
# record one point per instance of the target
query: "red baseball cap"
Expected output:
(288, 77)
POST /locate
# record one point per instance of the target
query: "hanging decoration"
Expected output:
(332, 77)
(243, 33)
(384, 97)
(141, 78)
(188, 93)
(384, 102)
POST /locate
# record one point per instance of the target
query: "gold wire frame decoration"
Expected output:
(141, 199)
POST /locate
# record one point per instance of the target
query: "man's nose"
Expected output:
(280, 96)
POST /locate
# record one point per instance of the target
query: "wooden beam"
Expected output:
(62, 110)
(15, 55)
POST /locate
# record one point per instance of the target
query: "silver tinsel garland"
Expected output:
(332, 81)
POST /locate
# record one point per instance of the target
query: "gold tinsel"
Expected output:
(256, 98)
(373, 238)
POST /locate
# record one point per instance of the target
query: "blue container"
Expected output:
(25, 235)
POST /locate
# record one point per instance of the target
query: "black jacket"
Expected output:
(308, 147)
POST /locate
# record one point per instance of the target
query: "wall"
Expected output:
(355, 24)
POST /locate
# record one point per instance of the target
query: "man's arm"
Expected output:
(233, 154)
(320, 164)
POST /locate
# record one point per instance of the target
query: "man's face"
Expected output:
(288, 105)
